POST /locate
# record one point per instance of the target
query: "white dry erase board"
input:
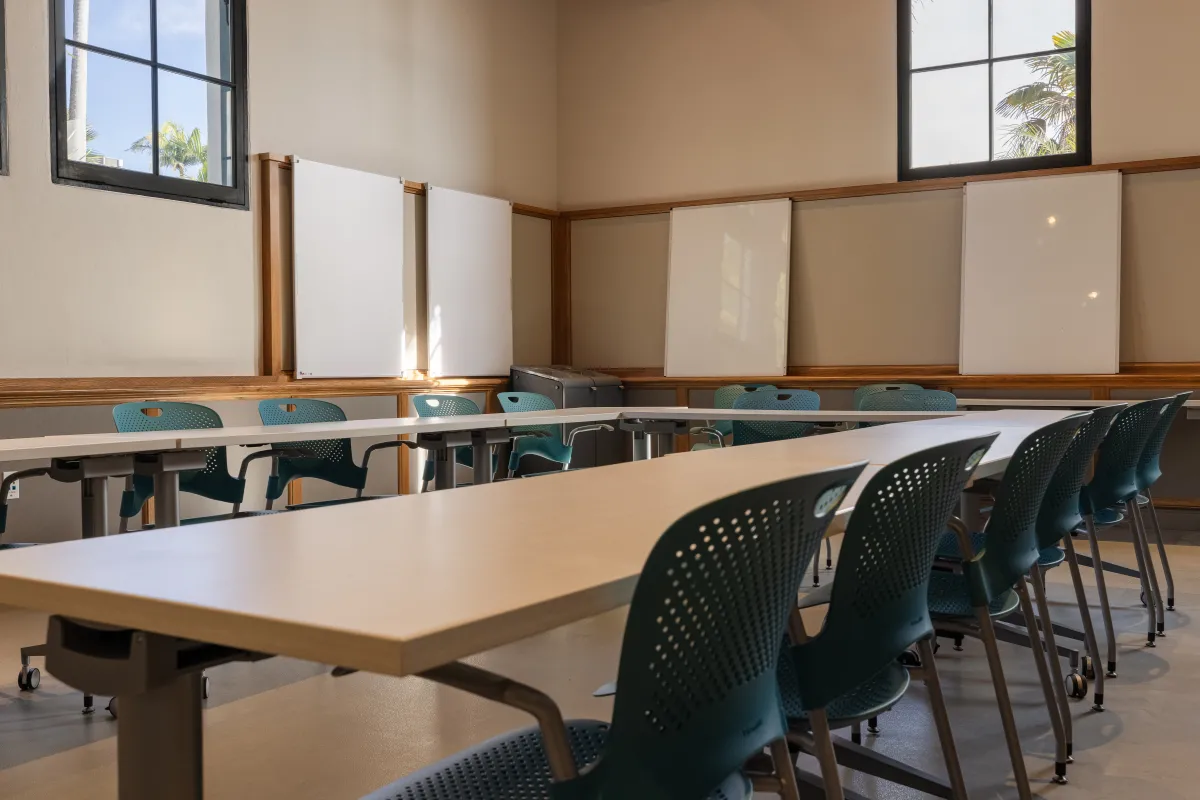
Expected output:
(1041, 275)
(348, 272)
(727, 289)
(469, 283)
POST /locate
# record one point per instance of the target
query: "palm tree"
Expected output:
(1045, 110)
(177, 150)
(92, 156)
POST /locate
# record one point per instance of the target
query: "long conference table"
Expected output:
(397, 586)
(1191, 407)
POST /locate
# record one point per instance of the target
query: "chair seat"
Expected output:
(948, 549)
(950, 596)
(867, 700)
(341, 501)
(221, 517)
(706, 446)
(513, 766)
(1108, 516)
(17, 545)
(547, 447)
(1051, 557)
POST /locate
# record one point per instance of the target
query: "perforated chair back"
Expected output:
(758, 431)
(1115, 479)
(1010, 544)
(448, 405)
(726, 396)
(1149, 470)
(213, 482)
(517, 402)
(1059, 514)
(875, 388)
(697, 671)
(332, 459)
(909, 400)
(880, 601)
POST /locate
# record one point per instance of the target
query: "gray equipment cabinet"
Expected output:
(578, 388)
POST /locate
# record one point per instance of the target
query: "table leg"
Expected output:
(93, 493)
(641, 446)
(164, 469)
(160, 742)
(661, 444)
(443, 469)
(166, 500)
(483, 463)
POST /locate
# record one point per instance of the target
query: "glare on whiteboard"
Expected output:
(1052, 221)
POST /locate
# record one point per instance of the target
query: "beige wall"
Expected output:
(668, 99)
(531, 290)
(456, 92)
(875, 280)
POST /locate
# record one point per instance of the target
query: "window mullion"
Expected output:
(991, 86)
(154, 126)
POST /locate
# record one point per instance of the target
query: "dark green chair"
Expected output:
(698, 695)
(542, 441)
(1115, 483)
(1057, 520)
(850, 671)
(330, 460)
(724, 398)
(1149, 470)
(991, 582)
(863, 392)
(447, 405)
(213, 482)
(909, 400)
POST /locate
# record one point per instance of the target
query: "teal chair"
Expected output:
(543, 441)
(909, 400)
(213, 481)
(699, 696)
(447, 405)
(1149, 470)
(330, 460)
(851, 670)
(757, 432)
(863, 392)
(724, 398)
(1057, 520)
(991, 583)
(1115, 484)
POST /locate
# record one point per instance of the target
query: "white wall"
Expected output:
(456, 92)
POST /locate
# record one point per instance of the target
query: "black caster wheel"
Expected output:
(28, 680)
(1088, 668)
(1077, 687)
(111, 708)
(910, 658)
(204, 688)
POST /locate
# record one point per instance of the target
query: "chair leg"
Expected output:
(1160, 608)
(1058, 682)
(829, 554)
(785, 770)
(1102, 590)
(825, 754)
(941, 719)
(817, 569)
(988, 636)
(1162, 552)
(1039, 659)
(1089, 630)
(1148, 597)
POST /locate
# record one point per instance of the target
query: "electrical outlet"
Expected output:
(14, 491)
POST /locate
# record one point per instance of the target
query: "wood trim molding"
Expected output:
(40, 392)
(561, 344)
(875, 189)
(1133, 375)
(274, 231)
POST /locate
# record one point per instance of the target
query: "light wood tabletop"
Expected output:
(400, 585)
(42, 448)
(784, 416)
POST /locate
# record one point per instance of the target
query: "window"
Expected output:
(3, 101)
(993, 86)
(150, 97)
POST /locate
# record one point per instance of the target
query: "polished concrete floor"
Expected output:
(286, 729)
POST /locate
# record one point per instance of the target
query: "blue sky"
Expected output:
(119, 91)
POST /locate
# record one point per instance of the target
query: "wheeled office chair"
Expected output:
(447, 405)
(863, 392)
(543, 441)
(723, 398)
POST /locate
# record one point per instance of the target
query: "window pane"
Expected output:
(194, 132)
(108, 110)
(195, 35)
(1035, 106)
(948, 31)
(950, 116)
(121, 25)
(1029, 26)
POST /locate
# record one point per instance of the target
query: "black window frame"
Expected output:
(1083, 103)
(97, 176)
(3, 97)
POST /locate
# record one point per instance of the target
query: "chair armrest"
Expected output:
(380, 446)
(7, 483)
(274, 455)
(964, 537)
(533, 434)
(586, 429)
(711, 433)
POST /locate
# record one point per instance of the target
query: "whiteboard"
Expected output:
(469, 283)
(727, 289)
(1041, 275)
(348, 272)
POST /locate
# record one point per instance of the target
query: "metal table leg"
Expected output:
(443, 469)
(164, 468)
(641, 446)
